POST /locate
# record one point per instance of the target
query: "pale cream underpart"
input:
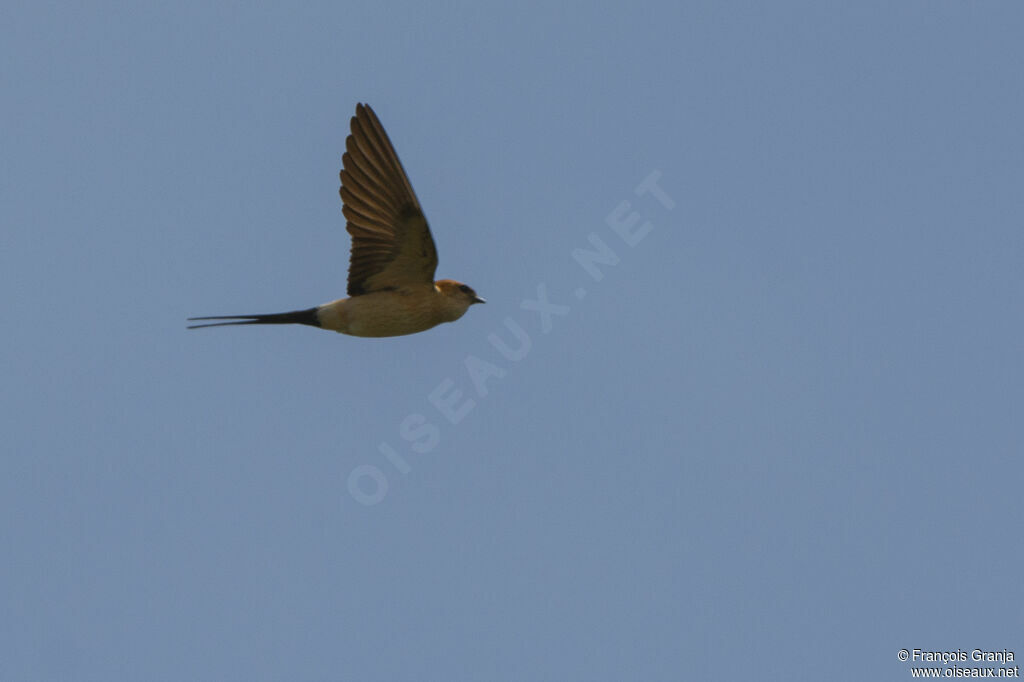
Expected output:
(391, 313)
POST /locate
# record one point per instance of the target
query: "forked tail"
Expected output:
(308, 316)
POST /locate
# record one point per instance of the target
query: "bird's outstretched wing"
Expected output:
(391, 242)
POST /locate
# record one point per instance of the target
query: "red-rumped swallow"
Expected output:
(391, 285)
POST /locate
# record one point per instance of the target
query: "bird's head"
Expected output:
(459, 296)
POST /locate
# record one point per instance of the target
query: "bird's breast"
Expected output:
(386, 313)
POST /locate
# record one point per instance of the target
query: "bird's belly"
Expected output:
(385, 313)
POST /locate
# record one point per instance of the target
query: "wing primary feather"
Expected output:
(391, 241)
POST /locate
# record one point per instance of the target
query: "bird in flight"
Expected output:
(391, 287)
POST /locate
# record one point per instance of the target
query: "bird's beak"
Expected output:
(477, 299)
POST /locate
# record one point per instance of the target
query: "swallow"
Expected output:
(391, 287)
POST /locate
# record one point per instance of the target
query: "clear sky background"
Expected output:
(780, 438)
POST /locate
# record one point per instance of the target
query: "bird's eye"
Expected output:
(464, 289)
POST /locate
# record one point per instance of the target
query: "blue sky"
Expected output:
(779, 438)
